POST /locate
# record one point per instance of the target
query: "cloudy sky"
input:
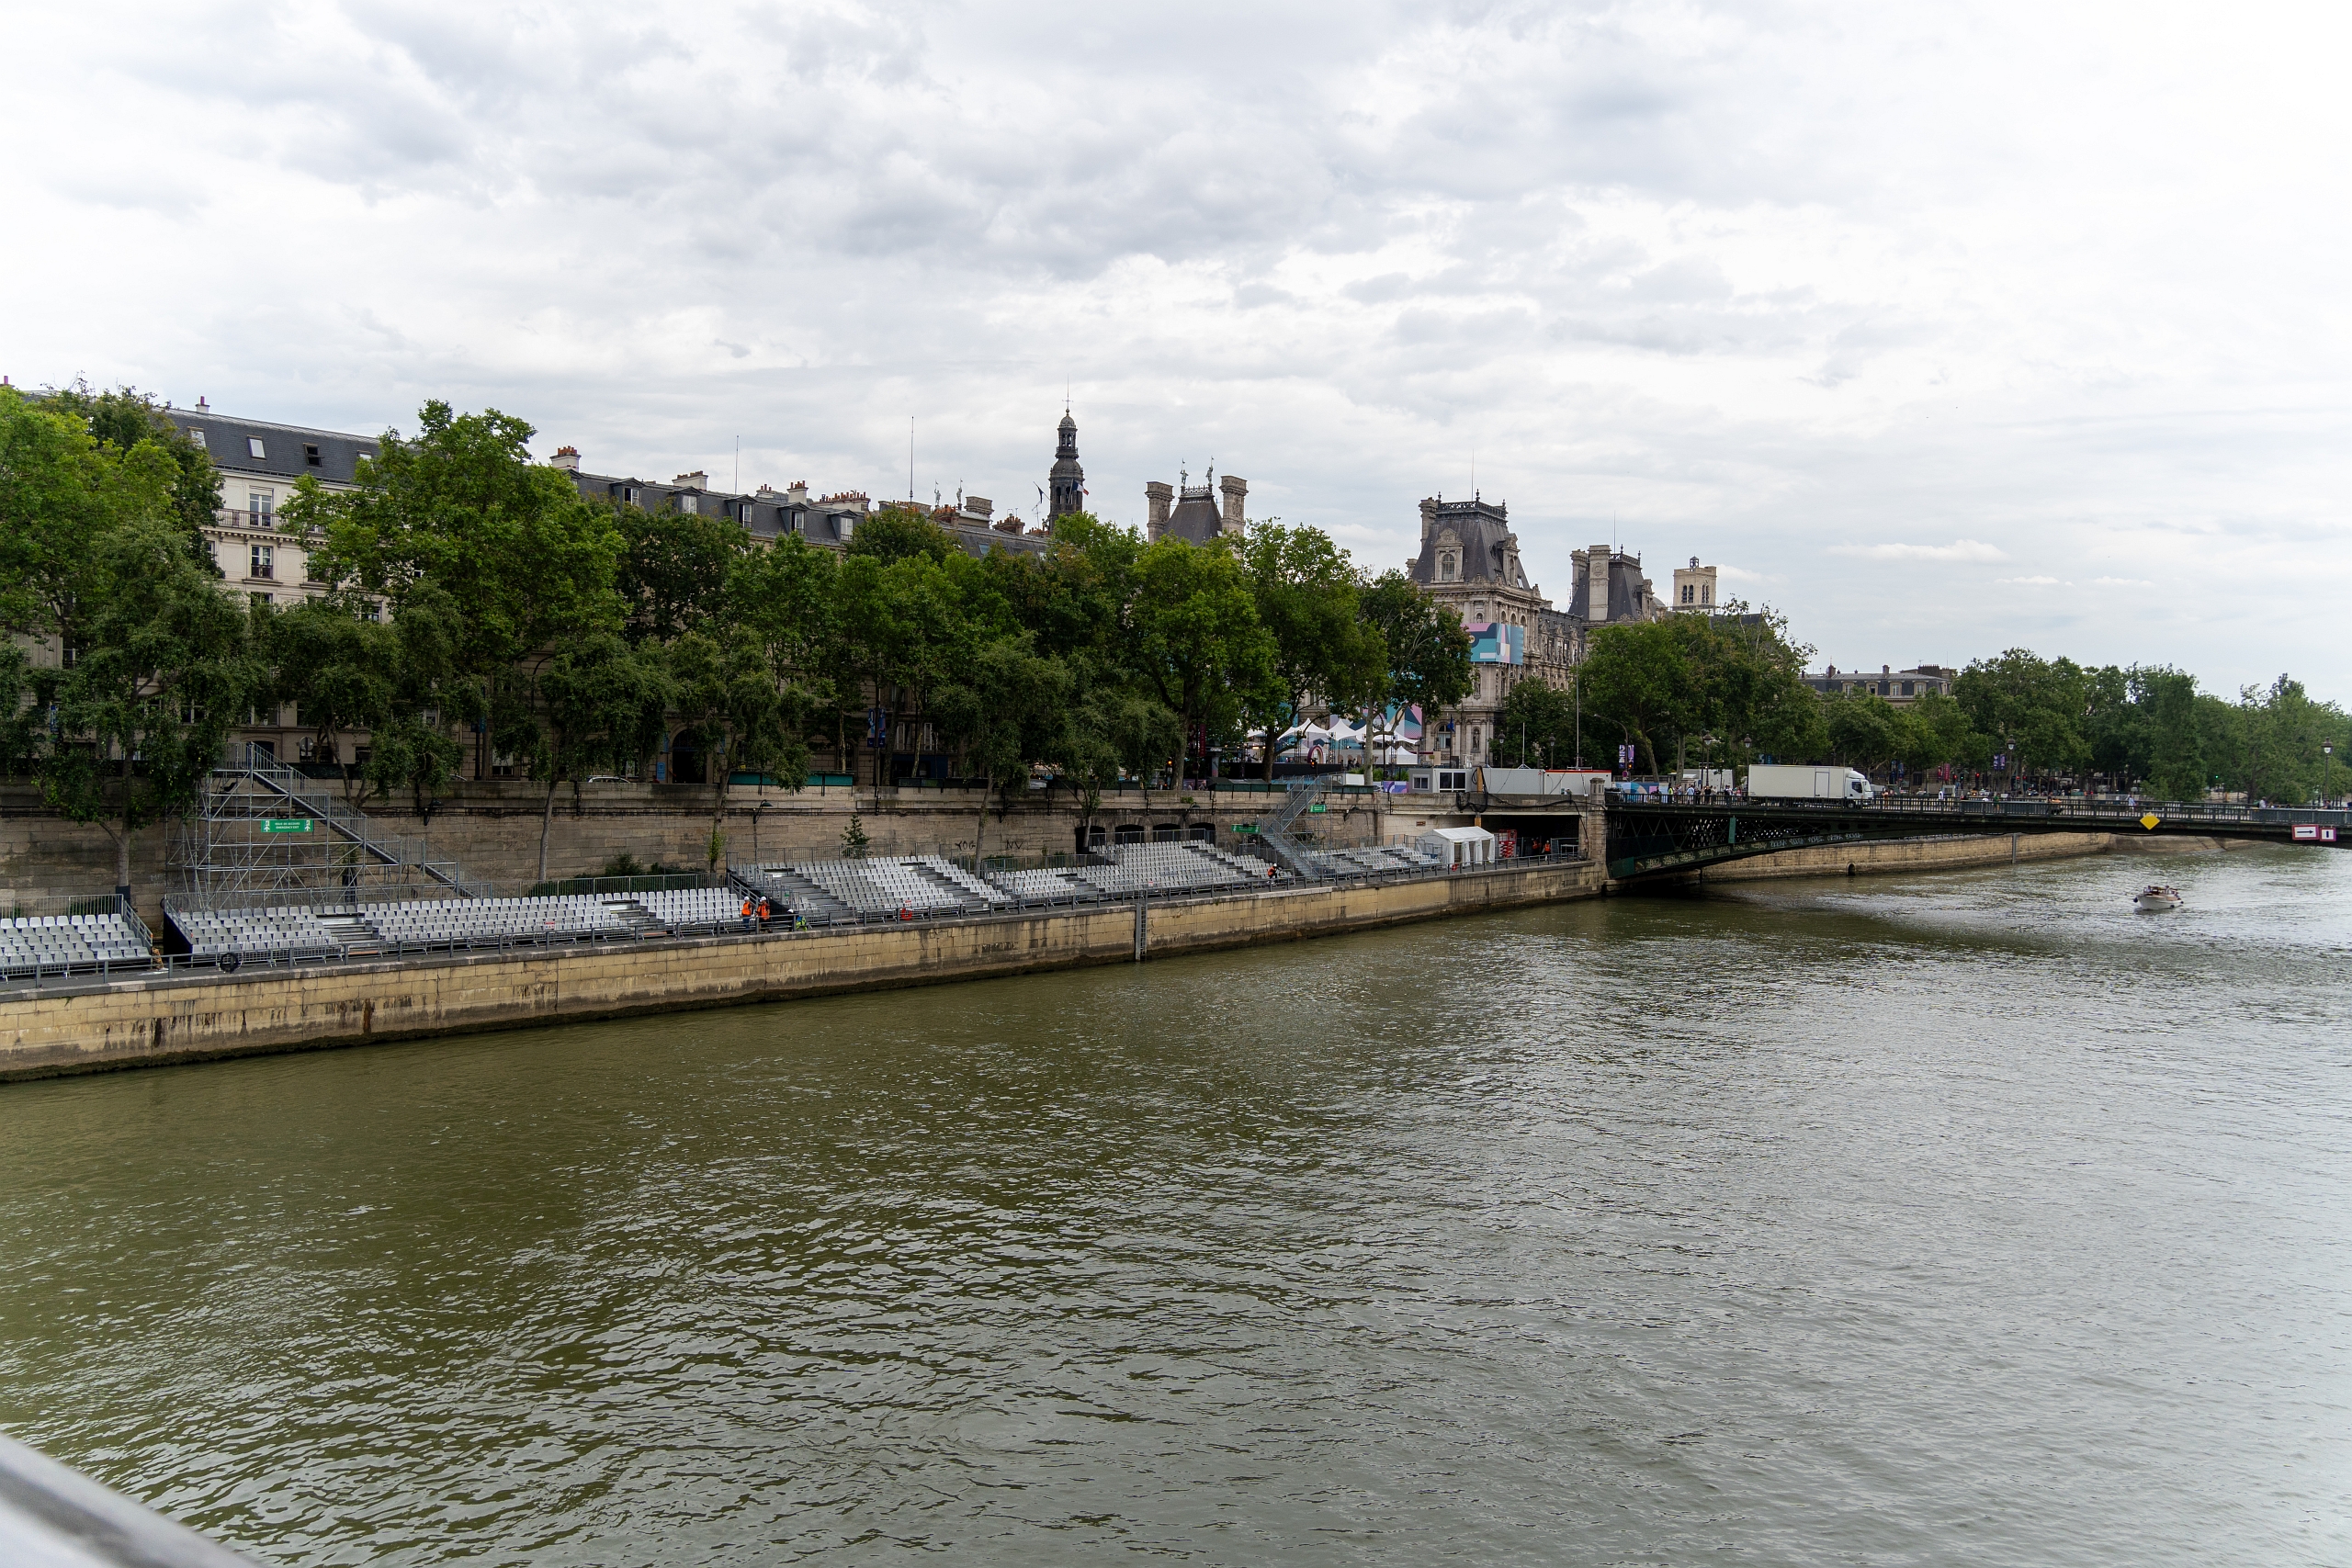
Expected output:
(1942, 329)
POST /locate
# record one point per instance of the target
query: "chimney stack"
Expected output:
(567, 459)
(1235, 491)
(1159, 497)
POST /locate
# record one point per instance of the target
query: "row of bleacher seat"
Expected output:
(1376, 860)
(38, 944)
(817, 892)
(920, 885)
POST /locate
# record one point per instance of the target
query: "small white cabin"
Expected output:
(1459, 846)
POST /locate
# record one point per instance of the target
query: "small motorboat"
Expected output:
(2155, 898)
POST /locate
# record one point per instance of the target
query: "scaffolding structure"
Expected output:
(260, 831)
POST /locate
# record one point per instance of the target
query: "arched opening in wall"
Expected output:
(1204, 832)
(1166, 832)
(687, 763)
(1130, 833)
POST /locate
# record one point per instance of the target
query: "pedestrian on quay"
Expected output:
(750, 923)
(765, 914)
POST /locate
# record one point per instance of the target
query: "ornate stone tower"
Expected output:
(1067, 492)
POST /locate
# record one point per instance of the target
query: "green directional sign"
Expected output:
(1245, 827)
(285, 824)
(1317, 807)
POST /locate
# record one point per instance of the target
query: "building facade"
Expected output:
(1901, 687)
(259, 463)
(1469, 561)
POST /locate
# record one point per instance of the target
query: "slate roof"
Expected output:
(1484, 529)
(288, 451)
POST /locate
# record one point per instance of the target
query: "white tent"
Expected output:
(1459, 846)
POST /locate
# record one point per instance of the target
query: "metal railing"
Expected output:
(52, 1515)
(2103, 811)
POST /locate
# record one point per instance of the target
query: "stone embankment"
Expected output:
(155, 1020)
(1951, 854)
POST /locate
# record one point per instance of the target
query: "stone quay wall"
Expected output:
(1954, 854)
(152, 1021)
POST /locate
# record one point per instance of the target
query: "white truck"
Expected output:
(1770, 781)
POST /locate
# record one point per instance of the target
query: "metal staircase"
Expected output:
(1274, 833)
(261, 827)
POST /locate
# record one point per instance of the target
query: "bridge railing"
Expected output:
(2103, 812)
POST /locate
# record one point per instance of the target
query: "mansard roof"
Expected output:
(1477, 532)
(287, 450)
(1196, 519)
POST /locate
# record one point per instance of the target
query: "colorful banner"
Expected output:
(1492, 642)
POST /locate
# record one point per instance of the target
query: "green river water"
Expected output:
(1970, 1219)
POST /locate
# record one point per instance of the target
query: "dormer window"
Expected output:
(310, 457)
(1445, 568)
(254, 446)
(686, 503)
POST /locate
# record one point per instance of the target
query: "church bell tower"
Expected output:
(1067, 492)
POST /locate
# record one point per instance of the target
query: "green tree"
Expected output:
(1427, 656)
(339, 670)
(603, 704)
(125, 417)
(163, 669)
(1197, 643)
(2035, 709)
(900, 533)
(508, 548)
(1002, 713)
(1865, 731)
(1307, 599)
(742, 710)
(1538, 720)
(1638, 685)
(676, 570)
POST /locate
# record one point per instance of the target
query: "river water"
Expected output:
(1973, 1219)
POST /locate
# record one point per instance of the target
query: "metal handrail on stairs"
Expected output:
(249, 761)
(1274, 832)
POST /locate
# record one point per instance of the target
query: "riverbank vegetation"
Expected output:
(1691, 691)
(472, 598)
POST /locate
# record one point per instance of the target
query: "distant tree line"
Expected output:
(1688, 690)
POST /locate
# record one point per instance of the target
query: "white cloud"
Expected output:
(2035, 581)
(1959, 549)
(2121, 582)
(1698, 276)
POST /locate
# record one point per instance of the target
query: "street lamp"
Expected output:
(2327, 750)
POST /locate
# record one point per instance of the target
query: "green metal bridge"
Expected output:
(1663, 839)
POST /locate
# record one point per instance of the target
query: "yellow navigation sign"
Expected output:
(2150, 821)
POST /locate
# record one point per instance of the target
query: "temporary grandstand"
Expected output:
(296, 925)
(824, 891)
(33, 946)
(1376, 860)
(282, 933)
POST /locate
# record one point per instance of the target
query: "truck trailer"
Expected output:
(1769, 781)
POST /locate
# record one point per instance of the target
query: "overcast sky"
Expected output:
(1941, 329)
